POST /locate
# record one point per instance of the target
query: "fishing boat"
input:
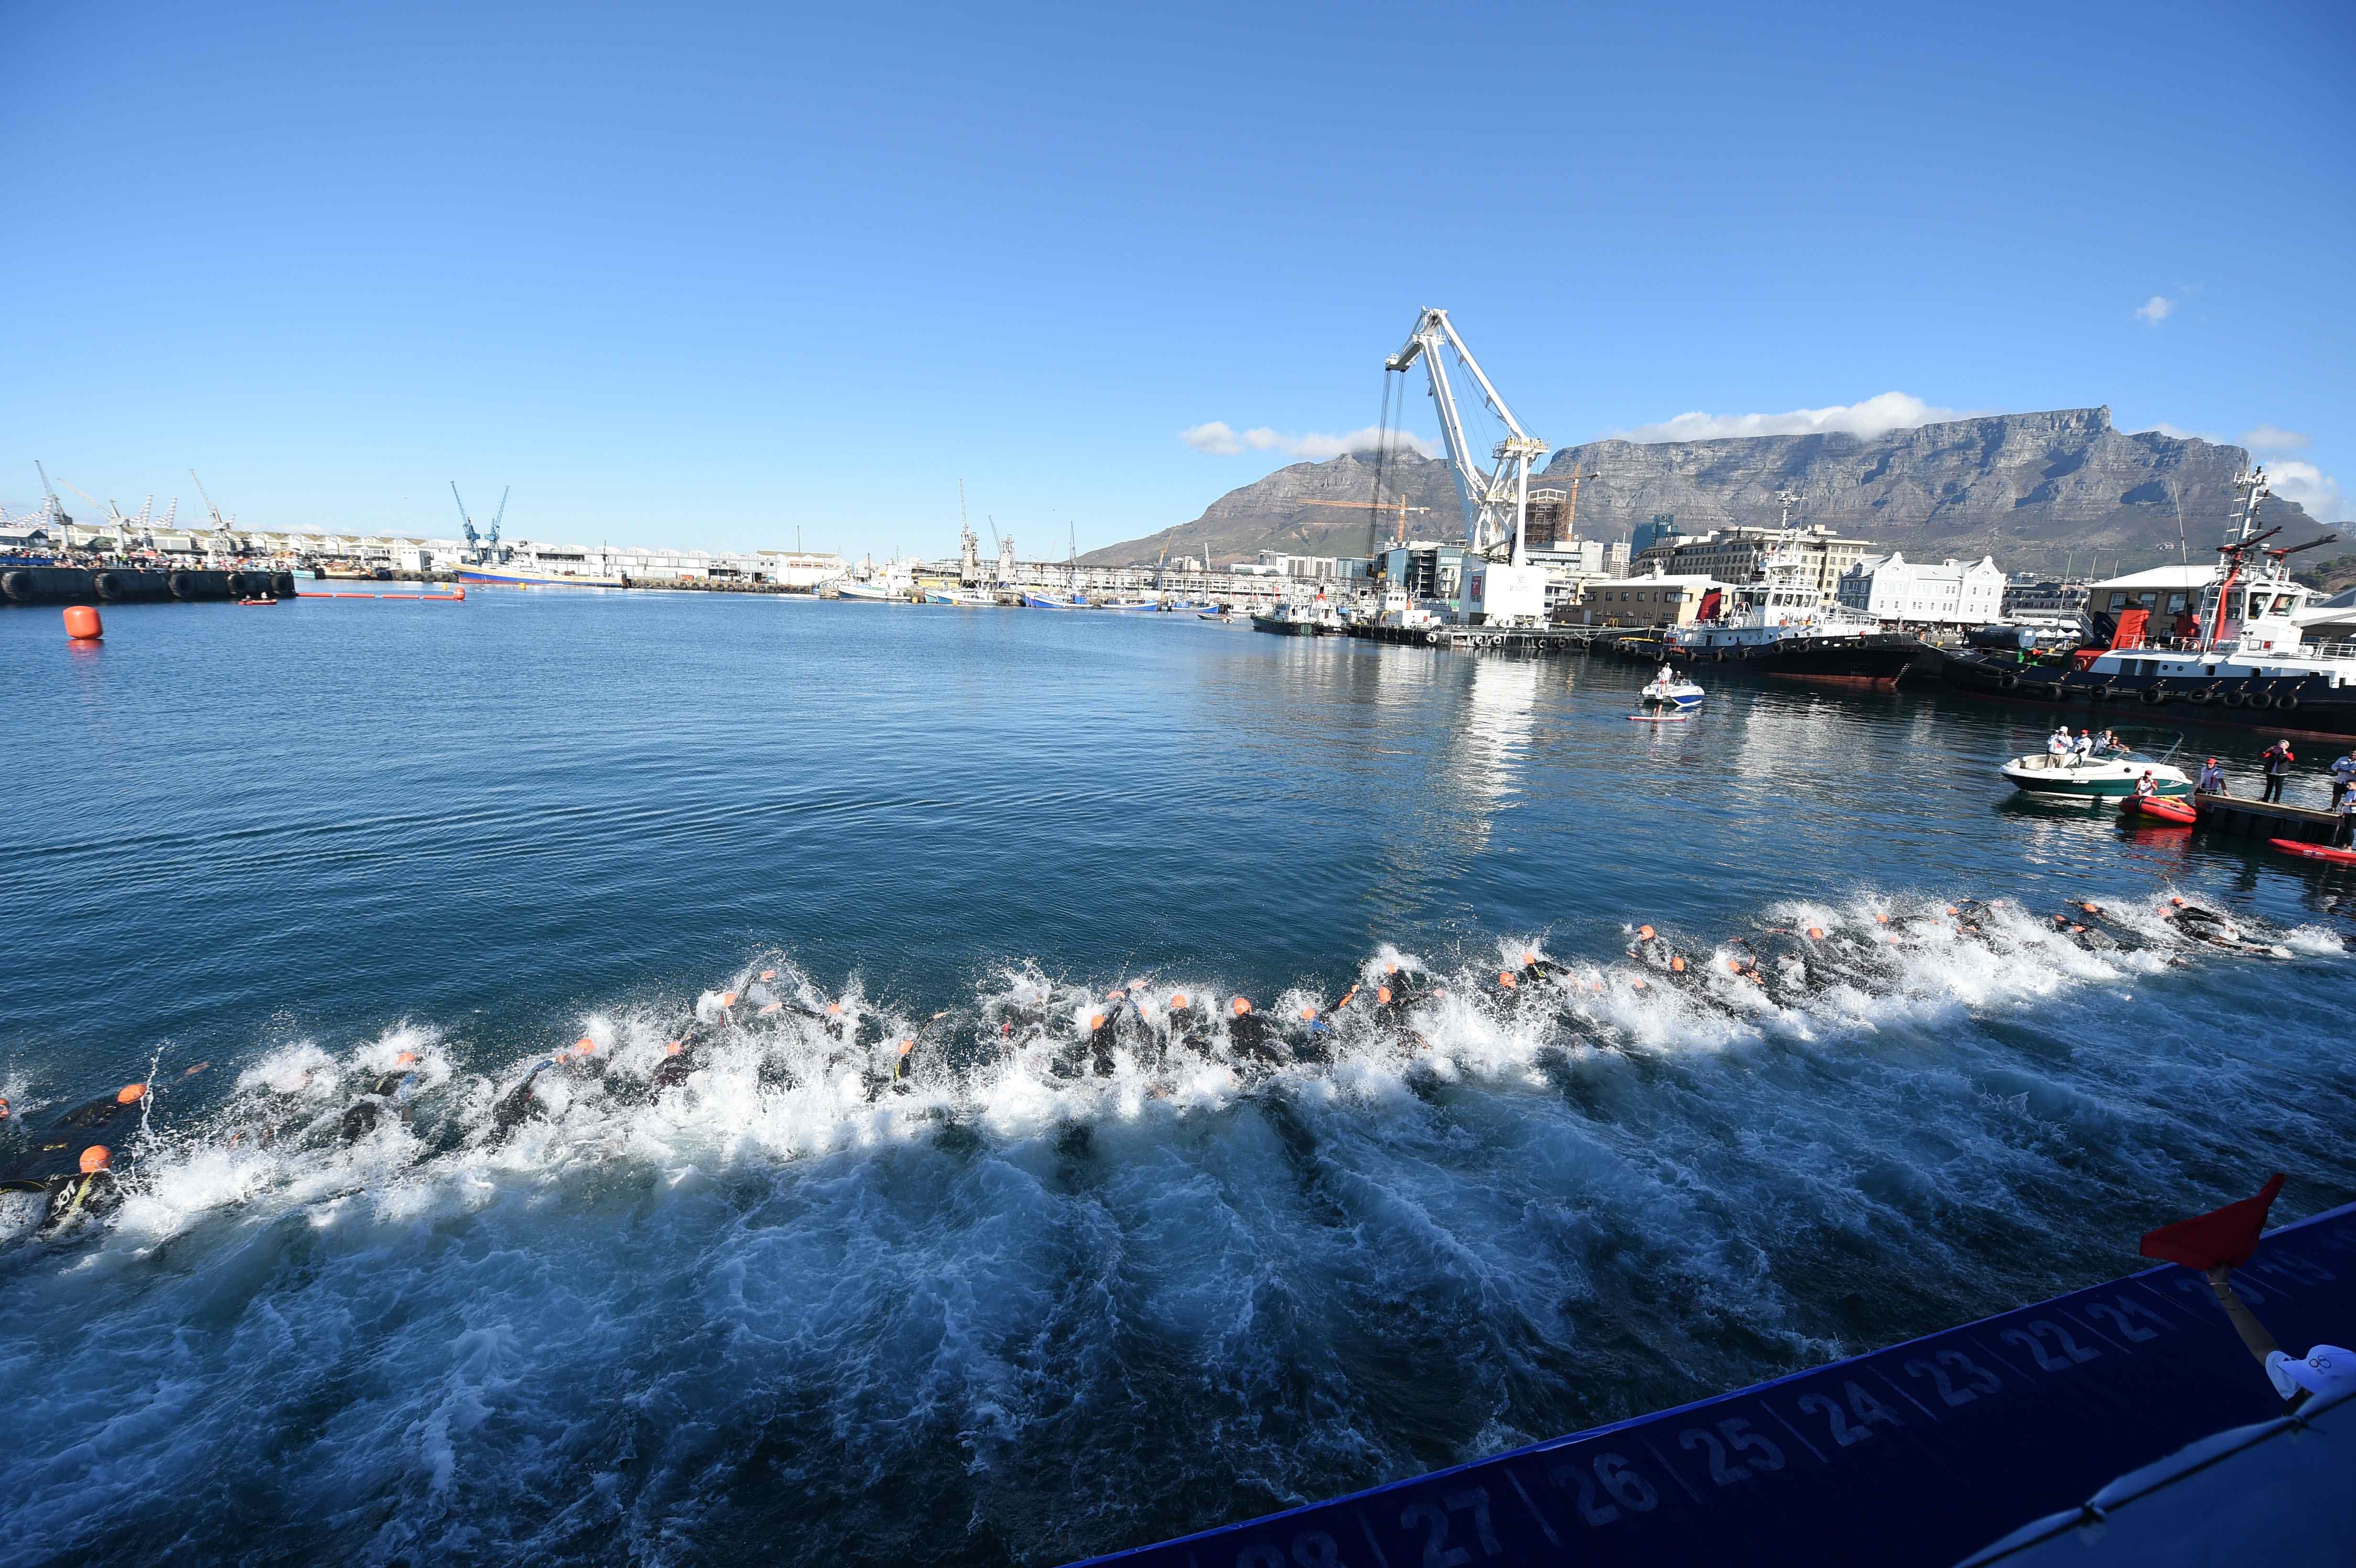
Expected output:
(849, 587)
(2093, 779)
(965, 598)
(1051, 602)
(1127, 606)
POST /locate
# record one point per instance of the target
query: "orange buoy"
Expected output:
(82, 624)
(97, 1157)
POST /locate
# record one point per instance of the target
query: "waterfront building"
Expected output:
(1890, 588)
(2032, 600)
(1313, 568)
(1647, 598)
(1739, 555)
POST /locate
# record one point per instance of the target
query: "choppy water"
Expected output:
(1020, 1311)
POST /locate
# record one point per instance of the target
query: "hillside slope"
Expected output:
(2030, 489)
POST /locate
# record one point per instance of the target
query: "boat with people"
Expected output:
(1667, 689)
(2248, 663)
(2095, 772)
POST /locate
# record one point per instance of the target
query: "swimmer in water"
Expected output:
(85, 1186)
(523, 1103)
(679, 1063)
(390, 1090)
(1248, 1035)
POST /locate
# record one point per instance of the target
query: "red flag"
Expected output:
(2227, 1236)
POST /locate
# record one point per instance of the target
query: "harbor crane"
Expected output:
(53, 509)
(220, 524)
(1503, 588)
(481, 547)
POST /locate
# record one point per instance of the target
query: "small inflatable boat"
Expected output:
(2315, 852)
(2157, 809)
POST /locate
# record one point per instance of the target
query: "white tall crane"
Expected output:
(1496, 500)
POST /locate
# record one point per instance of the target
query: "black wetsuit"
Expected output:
(1248, 1036)
(519, 1104)
(672, 1071)
(390, 1088)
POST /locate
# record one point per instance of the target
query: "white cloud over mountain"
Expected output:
(2310, 487)
(1221, 440)
(2155, 310)
(1872, 417)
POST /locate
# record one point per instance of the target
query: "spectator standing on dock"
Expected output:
(2277, 759)
(2344, 776)
(2212, 780)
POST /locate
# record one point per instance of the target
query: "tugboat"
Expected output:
(1779, 628)
(1291, 618)
(2249, 666)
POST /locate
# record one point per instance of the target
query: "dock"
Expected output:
(1495, 639)
(2236, 817)
(132, 585)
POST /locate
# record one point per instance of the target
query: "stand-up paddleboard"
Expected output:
(2315, 852)
(1670, 716)
(2157, 808)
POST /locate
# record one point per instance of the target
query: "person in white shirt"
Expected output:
(2059, 743)
(2085, 745)
(2343, 774)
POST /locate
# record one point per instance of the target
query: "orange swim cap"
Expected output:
(131, 1093)
(1307, 1014)
(2092, 908)
(1241, 1007)
(772, 1007)
(1096, 1020)
(1383, 995)
(1643, 933)
(1816, 934)
(585, 1045)
(834, 1006)
(768, 974)
(1177, 998)
(906, 1046)
(406, 1059)
(1637, 985)
(4, 1108)
(97, 1157)
(1115, 994)
(727, 998)
(1735, 964)
(1881, 918)
(1677, 964)
(672, 1048)
(1528, 956)
(1506, 979)
(1389, 967)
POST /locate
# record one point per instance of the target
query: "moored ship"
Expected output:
(1780, 628)
(2249, 664)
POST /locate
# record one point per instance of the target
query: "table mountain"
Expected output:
(2030, 489)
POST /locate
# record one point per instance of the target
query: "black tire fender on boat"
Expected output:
(1432, 637)
(2007, 681)
(2153, 696)
(2262, 700)
(2286, 702)
(2237, 698)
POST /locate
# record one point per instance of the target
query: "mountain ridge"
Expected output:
(2034, 490)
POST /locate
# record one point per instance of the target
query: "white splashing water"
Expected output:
(1016, 1309)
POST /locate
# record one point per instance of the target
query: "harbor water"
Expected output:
(1017, 1313)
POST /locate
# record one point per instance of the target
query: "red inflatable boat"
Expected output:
(2157, 808)
(2315, 851)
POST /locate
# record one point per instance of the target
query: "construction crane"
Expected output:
(220, 524)
(53, 509)
(1496, 500)
(1399, 507)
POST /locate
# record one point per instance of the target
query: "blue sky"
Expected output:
(704, 273)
